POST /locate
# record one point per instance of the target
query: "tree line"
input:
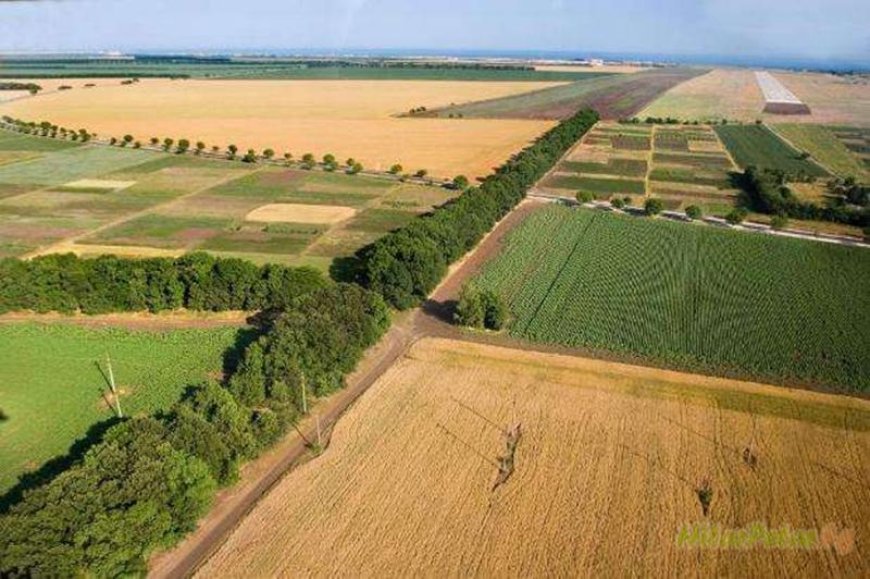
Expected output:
(405, 265)
(144, 484)
(197, 281)
(767, 192)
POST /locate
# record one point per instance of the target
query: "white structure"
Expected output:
(778, 99)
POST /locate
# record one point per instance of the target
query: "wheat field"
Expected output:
(356, 119)
(607, 470)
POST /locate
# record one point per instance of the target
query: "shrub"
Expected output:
(694, 212)
(653, 206)
(395, 169)
(736, 216)
(585, 197)
(617, 203)
(480, 309)
(778, 222)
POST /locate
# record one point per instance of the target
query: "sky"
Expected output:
(822, 29)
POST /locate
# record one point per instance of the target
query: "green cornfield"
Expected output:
(690, 296)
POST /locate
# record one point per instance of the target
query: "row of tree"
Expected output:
(405, 265)
(45, 129)
(767, 192)
(144, 484)
(197, 281)
(31, 87)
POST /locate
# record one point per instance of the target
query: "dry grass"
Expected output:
(735, 95)
(345, 118)
(721, 93)
(106, 184)
(297, 213)
(607, 471)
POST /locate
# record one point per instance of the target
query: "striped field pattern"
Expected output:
(691, 297)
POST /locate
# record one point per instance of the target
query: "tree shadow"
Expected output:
(346, 269)
(443, 311)
(49, 470)
(233, 355)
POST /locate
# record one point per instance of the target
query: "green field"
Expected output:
(825, 147)
(597, 186)
(690, 297)
(614, 166)
(51, 388)
(73, 164)
(757, 145)
(279, 71)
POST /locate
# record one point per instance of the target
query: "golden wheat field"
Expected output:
(346, 118)
(612, 462)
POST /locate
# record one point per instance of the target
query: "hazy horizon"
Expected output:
(739, 31)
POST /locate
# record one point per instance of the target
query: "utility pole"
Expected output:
(304, 394)
(112, 386)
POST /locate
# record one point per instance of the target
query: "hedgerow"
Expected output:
(404, 266)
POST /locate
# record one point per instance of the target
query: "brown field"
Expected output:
(734, 94)
(297, 213)
(607, 471)
(346, 118)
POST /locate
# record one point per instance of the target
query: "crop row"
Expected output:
(691, 297)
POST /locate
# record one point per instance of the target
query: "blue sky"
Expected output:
(799, 28)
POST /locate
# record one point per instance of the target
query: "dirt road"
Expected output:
(260, 475)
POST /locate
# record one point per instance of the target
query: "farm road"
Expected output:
(260, 475)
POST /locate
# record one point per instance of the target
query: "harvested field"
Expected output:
(734, 94)
(777, 98)
(346, 118)
(97, 185)
(692, 297)
(296, 213)
(614, 97)
(606, 473)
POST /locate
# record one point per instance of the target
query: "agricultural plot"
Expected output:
(606, 474)
(65, 194)
(823, 144)
(757, 145)
(614, 97)
(857, 141)
(734, 95)
(700, 298)
(682, 165)
(347, 118)
(53, 382)
(610, 160)
(275, 214)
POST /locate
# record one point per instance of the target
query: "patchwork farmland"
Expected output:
(682, 165)
(607, 472)
(690, 297)
(93, 200)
